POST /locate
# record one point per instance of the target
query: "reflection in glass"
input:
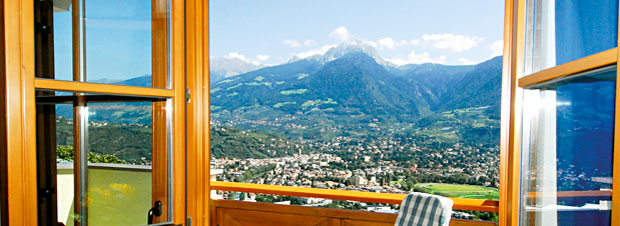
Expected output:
(125, 144)
(53, 39)
(567, 151)
(560, 31)
(64, 160)
(63, 56)
(122, 131)
(120, 36)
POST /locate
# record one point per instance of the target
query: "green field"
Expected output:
(293, 91)
(461, 191)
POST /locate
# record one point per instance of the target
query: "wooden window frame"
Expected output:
(19, 89)
(513, 83)
(190, 56)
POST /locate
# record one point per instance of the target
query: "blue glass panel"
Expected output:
(584, 27)
(585, 125)
(567, 172)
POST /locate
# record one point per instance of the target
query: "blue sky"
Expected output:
(118, 40)
(402, 31)
(118, 35)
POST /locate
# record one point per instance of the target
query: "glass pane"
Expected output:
(64, 159)
(53, 39)
(55, 161)
(63, 52)
(124, 168)
(560, 31)
(119, 42)
(123, 42)
(568, 151)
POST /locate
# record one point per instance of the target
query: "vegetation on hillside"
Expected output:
(228, 142)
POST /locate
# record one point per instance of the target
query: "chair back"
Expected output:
(421, 209)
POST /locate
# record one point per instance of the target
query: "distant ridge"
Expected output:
(351, 80)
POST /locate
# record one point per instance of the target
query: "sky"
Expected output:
(118, 40)
(271, 32)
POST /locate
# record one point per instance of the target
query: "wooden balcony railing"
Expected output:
(384, 198)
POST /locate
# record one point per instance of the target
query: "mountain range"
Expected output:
(354, 81)
(222, 68)
(347, 92)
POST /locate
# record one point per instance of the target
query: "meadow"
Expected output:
(461, 191)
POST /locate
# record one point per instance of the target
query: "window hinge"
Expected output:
(188, 221)
(187, 95)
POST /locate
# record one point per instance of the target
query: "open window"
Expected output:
(104, 112)
(569, 110)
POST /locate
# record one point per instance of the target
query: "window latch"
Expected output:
(187, 96)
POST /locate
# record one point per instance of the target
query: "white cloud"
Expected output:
(415, 58)
(262, 57)
(371, 43)
(340, 33)
(465, 61)
(452, 42)
(313, 52)
(389, 43)
(497, 48)
(292, 43)
(308, 43)
(235, 55)
(415, 42)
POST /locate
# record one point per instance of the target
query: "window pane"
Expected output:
(568, 151)
(560, 31)
(124, 170)
(53, 39)
(119, 41)
(123, 42)
(63, 55)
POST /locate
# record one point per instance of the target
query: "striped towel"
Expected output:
(421, 209)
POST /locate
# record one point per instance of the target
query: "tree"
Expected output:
(96, 158)
(65, 152)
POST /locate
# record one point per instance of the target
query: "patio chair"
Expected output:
(421, 209)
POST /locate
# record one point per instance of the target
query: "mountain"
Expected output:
(349, 80)
(478, 87)
(144, 80)
(436, 77)
(319, 98)
(358, 84)
(344, 49)
(222, 68)
(235, 143)
(348, 84)
(354, 84)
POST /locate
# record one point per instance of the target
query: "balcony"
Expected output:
(110, 186)
(227, 212)
(133, 182)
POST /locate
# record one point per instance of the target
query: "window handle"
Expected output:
(155, 211)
